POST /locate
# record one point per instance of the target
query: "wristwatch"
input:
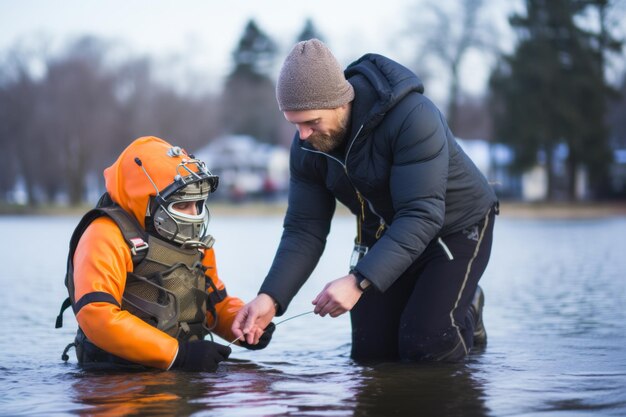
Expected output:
(362, 282)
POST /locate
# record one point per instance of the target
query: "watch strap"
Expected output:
(362, 282)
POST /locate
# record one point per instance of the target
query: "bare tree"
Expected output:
(79, 93)
(19, 97)
(64, 120)
(447, 36)
(148, 108)
(474, 119)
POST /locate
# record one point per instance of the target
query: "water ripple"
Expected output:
(554, 314)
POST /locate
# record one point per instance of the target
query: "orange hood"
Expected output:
(129, 186)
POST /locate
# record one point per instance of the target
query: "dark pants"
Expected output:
(424, 315)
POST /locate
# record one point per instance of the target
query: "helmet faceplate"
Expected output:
(190, 185)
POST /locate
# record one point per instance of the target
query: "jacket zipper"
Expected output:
(362, 200)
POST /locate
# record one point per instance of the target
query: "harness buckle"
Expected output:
(137, 245)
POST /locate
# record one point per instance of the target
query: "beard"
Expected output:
(327, 142)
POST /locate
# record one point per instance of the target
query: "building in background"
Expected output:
(248, 169)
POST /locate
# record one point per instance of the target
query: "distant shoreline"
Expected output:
(559, 210)
(543, 210)
(563, 210)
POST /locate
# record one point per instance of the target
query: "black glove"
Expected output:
(264, 340)
(200, 355)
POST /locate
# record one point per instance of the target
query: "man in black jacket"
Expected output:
(370, 139)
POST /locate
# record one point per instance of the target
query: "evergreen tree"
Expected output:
(309, 31)
(248, 101)
(255, 52)
(551, 91)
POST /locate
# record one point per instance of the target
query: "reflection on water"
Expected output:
(555, 316)
(124, 394)
(420, 389)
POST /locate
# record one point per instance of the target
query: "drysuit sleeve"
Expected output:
(101, 262)
(227, 308)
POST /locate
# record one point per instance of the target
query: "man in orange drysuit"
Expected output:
(144, 288)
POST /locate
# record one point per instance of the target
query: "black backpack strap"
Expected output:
(87, 219)
(66, 303)
(136, 238)
(215, 296)
(133, 233)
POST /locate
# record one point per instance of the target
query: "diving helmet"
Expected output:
(193, 183)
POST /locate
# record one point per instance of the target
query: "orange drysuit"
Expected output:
(103, 259)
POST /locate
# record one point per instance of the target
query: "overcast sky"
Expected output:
(205, 32)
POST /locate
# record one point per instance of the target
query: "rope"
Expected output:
(280, 322)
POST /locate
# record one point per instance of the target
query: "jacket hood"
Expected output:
(127, 183)
(389, 80)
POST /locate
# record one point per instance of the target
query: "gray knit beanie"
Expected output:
(311, 78)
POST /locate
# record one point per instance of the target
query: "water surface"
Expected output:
(555, 316)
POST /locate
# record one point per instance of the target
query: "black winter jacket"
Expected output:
(402, 158)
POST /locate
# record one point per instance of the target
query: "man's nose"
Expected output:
(304, 132)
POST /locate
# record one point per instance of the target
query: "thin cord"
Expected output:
(293, 317)
(280, 322)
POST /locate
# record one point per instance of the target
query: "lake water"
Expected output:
(555, 314)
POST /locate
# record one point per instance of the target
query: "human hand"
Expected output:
(253, 318)
(200, 355)
(264, 340)
(337, 297)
